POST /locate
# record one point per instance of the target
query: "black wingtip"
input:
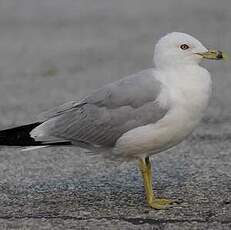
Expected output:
(19, 136)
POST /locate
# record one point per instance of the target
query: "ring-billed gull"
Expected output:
(135, 117)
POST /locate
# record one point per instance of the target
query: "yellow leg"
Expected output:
(153, 202)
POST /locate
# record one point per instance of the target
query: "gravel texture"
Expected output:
(52, 51)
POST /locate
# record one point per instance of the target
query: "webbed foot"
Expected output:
(161, 203)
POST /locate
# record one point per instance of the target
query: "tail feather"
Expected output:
(20, 136)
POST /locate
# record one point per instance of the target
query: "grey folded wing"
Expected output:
(108, 113)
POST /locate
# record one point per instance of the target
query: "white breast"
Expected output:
(187, 98)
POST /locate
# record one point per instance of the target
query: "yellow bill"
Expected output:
(214, 55)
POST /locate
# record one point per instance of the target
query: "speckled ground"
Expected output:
(55, 51)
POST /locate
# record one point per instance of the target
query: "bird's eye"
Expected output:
(184, 47)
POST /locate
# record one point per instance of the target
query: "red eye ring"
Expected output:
(184, 46)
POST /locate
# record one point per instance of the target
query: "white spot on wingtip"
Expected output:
(33, 148)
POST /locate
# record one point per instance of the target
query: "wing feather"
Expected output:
(108, 113)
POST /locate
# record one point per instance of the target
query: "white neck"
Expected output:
(188, 86)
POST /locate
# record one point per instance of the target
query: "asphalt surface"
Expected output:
(55, 51)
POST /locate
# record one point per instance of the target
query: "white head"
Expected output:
(180, 48)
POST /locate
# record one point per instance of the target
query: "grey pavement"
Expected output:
(52, 51)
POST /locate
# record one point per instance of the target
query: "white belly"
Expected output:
(154, 138)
